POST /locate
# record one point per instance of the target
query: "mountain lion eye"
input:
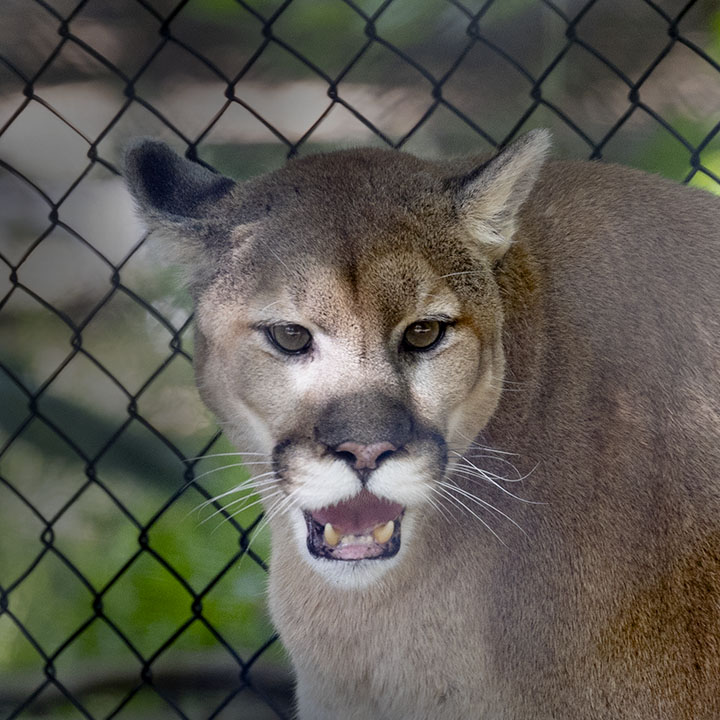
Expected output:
(290, 338)
(423, 334)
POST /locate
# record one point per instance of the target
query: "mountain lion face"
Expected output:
(355, 353)
(357, 315)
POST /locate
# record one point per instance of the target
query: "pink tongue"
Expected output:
(363, 512)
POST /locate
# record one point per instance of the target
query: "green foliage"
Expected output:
(713, 48)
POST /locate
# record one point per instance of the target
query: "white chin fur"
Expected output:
(355, 574)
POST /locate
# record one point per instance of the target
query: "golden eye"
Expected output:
(290, 338)
(423, 334)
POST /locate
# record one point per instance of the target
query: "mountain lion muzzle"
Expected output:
(483, 400)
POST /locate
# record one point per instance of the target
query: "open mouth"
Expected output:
(364, 527)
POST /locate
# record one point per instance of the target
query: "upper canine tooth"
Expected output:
(382, 533)
(330, 535)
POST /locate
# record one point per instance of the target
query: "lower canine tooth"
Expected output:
(330, 535)
(382, 533)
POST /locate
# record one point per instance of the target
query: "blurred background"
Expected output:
(121, 594)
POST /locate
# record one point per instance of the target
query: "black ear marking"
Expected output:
(164, 183)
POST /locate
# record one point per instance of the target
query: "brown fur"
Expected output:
(595, 303)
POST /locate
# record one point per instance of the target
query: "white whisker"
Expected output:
(255, 502)
(504, 388)
(459, 502)
(463, 272)
(218, 469)
(269, 305)
(466, 457)
(485, 456)
(227, 454)
(472, 470)
(474, 443)
(443, 510)
(249, 484)
(284, 506)
(272, 511)
(480, 501)
(470, 465)
(480, 478)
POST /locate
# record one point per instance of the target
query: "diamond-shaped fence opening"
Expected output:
(131, 582)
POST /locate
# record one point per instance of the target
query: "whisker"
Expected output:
(224, 467)
(463, 272)
(193, 480)
(483, 503)
(478, 476)
(225, 507)
(511, 384)
(227, 454)
(266, 497)
(271, 512)
(255, 502)
(435, 502)
(485, 456)
(263, 523)
(277, 507)
(474, 443)
(475, 456)
(218, 469)
(284, 506)
(269, 305)
(249, 484)
(470, 465)
(492, 477)
(459, 502)
(505, 388)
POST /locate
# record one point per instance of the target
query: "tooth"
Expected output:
(382, 533)
(330, 535)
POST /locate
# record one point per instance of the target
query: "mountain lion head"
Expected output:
(348, 330)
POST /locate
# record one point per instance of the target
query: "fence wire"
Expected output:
(49, 685)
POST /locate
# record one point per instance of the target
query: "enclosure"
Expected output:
(126, 590)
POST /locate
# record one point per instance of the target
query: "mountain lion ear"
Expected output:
(490, 197)
(169, 188)
(184, 203)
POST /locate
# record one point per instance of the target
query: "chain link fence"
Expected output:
(126, 589)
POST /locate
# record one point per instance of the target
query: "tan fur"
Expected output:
(586, 302)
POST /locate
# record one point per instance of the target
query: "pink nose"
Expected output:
(366, 456)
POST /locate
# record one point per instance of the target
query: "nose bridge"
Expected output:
(369, 404)
(367, 418)
(363, 365)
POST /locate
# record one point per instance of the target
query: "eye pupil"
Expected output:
(423, 334)
(290, 338)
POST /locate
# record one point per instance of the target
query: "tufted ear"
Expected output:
(169, 187)
(490, 197)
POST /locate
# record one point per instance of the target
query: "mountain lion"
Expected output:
(486, 394)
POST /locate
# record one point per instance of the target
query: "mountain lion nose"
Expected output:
(366, 456)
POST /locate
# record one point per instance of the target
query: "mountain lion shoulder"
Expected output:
(486, 394)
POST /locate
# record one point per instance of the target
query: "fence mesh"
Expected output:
(487, 70)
